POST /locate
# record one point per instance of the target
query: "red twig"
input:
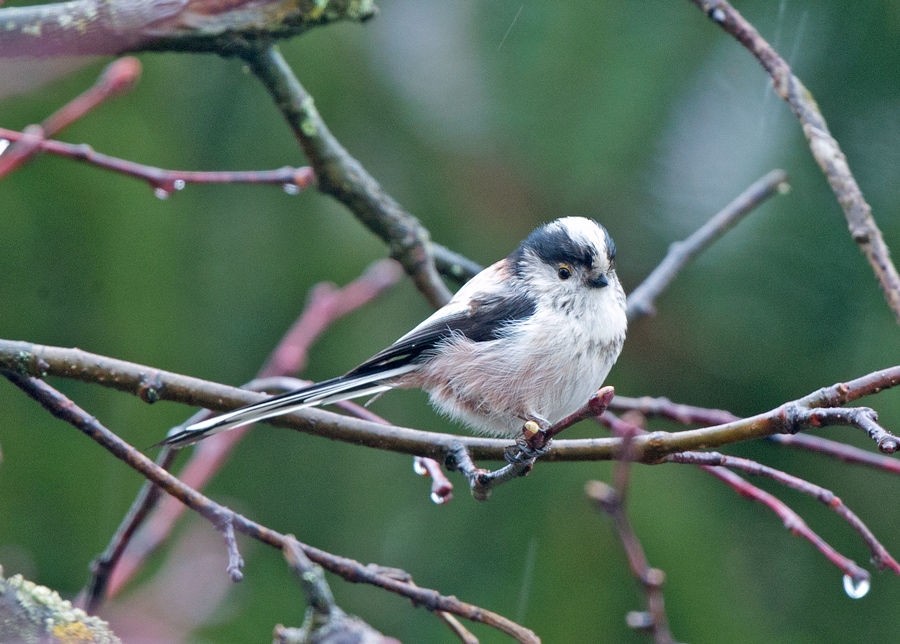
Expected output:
(880, 556)
(164, 182)
(792, 520)
(118, 77)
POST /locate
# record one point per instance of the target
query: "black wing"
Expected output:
(485, 320)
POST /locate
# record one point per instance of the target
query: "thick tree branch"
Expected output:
(344, 178)
(64, 409)
(107, 27)
(641, 299)
(824, 147)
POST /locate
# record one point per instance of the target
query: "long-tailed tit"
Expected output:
(529, 338)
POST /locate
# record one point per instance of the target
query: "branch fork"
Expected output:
(520, 457)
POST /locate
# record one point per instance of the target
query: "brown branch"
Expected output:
(326, 304)
(641, 300)
(344, 178)
(880, 556)
(64, 409)
(521, 456)
(689, 415)
(118, 77)
(824, 147)
(152, 385)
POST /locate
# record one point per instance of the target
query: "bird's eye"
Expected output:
(564, 272)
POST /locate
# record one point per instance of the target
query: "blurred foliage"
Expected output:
(484, 119)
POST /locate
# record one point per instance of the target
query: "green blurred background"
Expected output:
(484, 119)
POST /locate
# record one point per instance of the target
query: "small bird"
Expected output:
(529, 338)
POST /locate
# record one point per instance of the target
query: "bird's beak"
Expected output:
(598, 282)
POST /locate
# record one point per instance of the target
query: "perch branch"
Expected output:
(152, 385)
(641, 300)
(824, 147)
(344, 178)
(690, 415)
(64, 409)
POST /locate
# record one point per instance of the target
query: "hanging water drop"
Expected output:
(437, 498)
(3, 145)
(161, 193)
(291, 188)
(856, 588)
(178, 184)
(418, 467)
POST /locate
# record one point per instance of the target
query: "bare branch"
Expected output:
(164, 182)
(690, 415)
(791, 519)
(824, 147)
(64, 409)
(641, 299)
(880, 556)
(152, 385)
(344, 178)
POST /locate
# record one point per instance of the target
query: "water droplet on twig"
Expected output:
(178, 184)
(3, 145)
(419, 468)
(437, 498)
(856, 588)
(161, 193)
(291, 188)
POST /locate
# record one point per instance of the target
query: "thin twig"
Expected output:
(118, 77)
(791, 519)
(612, 499)
(880, 556)
(102, 567)
(235, 561)
(641, 300)
(824, 147)
(345, 179)
(164, 182)
(64, 409)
